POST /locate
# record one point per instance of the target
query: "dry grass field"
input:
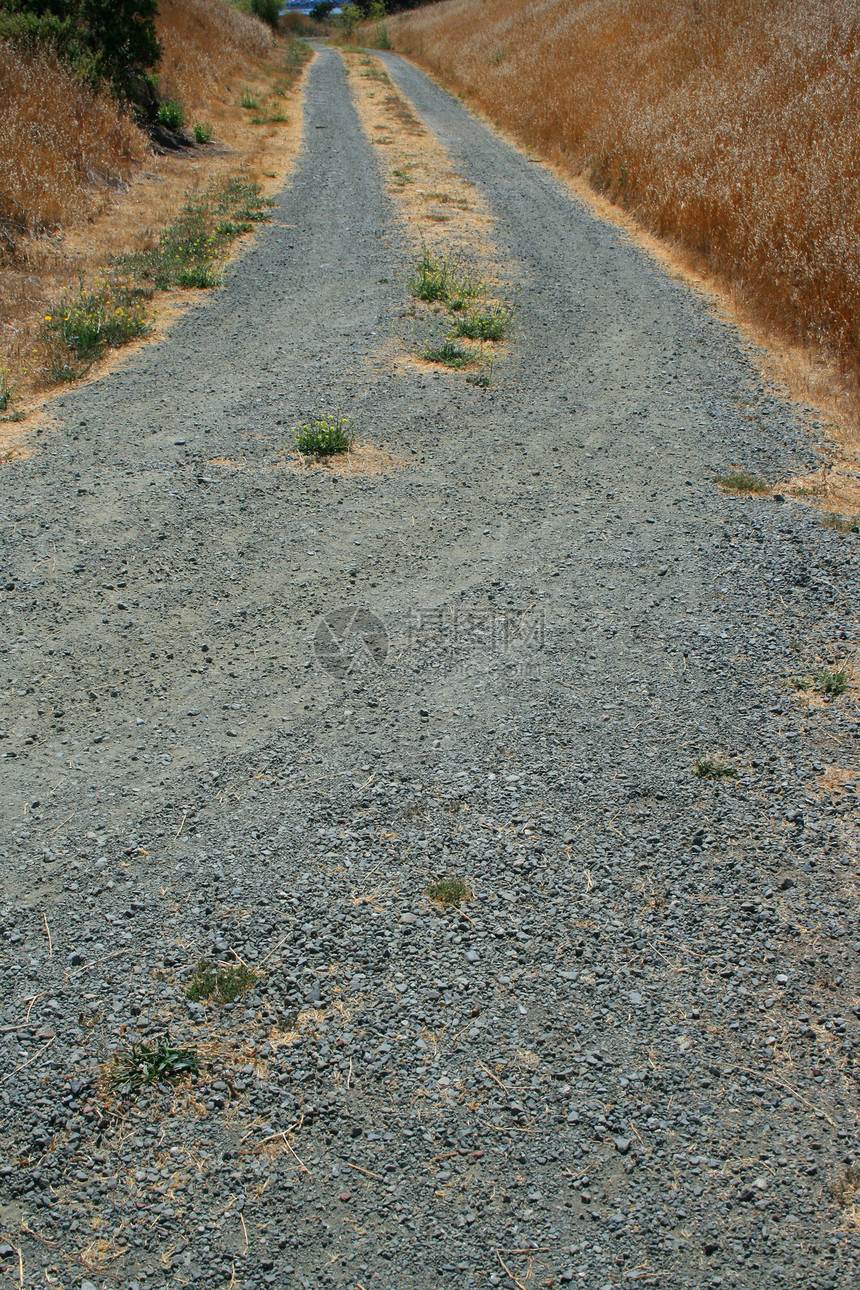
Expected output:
(729, 127)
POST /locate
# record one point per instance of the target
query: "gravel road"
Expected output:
(631, 1056)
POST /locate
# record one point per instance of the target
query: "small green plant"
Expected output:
(829, 682)
(441, 279)
(740, 481)
(202, 132)
(5, 392)
(447, 891)
(483, 324)
(154, 1063)
(842, 524)
(450, 354)
(401, 175)
(248, 101)
(481, 379)
(171, 115)
(712, 768)
(220, 984)
(325, 436)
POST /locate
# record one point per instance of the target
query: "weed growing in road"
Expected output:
(830, 683)
(447, 891)
(481, 379)
(220, 985)
(442, 279)
(326, 436)
(740, 481)
(841, 524)
(823, 681)
(712, 768)
(450, 354)
(154, 1063)
(483, 324)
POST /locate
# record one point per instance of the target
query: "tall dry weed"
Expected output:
(730, 126)
(59, 144)
(205, 42)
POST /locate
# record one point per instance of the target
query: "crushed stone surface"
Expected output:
(630, 1056)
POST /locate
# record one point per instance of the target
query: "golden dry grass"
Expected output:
(730, 127)
(110, 193)
(54, 162)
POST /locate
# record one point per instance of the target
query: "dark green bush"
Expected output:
(106, 40)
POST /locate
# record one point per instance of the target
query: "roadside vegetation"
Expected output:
(729, 127)
(112, 188)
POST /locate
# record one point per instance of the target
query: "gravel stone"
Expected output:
(632, 1054)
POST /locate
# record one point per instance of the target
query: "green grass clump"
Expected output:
(171, 115)
(447, 891)
(202, 132)
(481, 379)
(443, 280)
(711, 768)
(483, 324)
(740, 481)
(824, 681)
(325, 436)
(248, 101)
(220, 985)
(450, 354)
(155, 1063)
(79, 329)
(830, 682)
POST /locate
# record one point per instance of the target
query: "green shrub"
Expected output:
(268, 11)
(171, 115)
(248, 101)
(202, 132)
(106, 40)
(326, 436)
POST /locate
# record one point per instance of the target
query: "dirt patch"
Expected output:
(363, 459)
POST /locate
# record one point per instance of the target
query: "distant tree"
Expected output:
(322, 9)
(266, 10)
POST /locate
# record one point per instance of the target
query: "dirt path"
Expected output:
(633, 1055)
